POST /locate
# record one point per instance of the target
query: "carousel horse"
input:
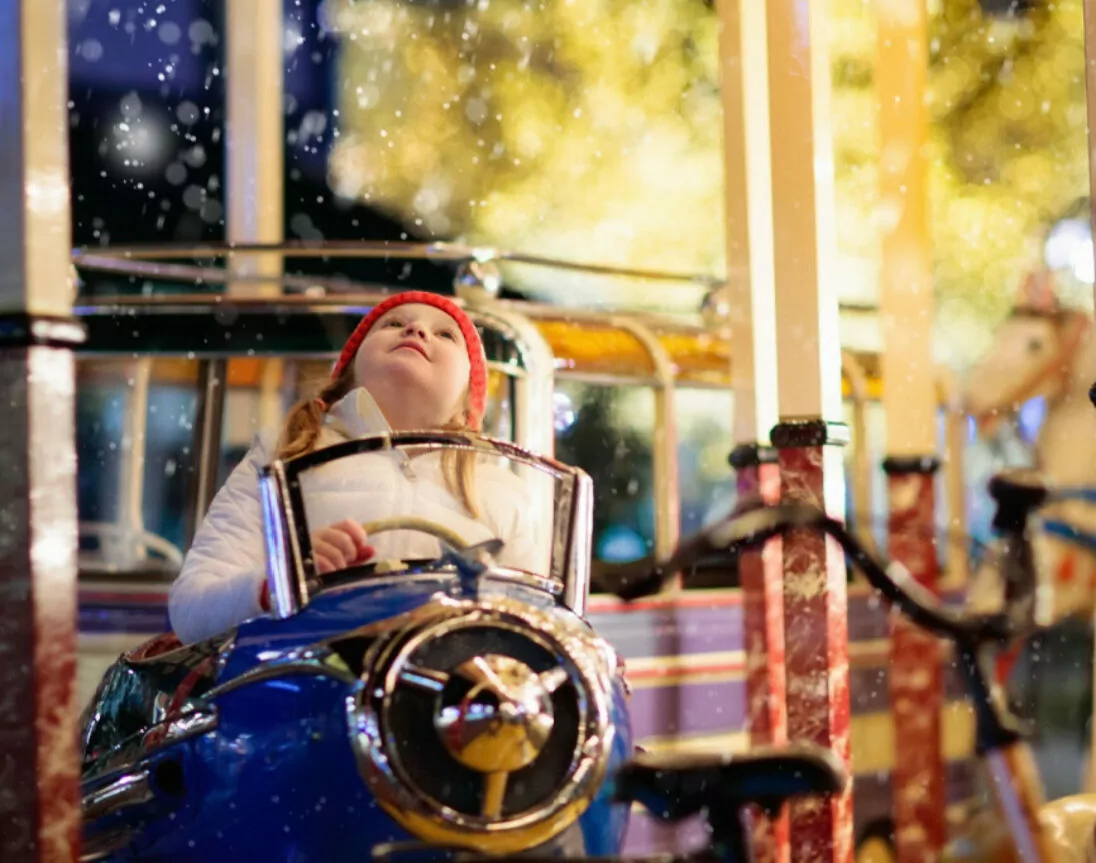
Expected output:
(1046, 350)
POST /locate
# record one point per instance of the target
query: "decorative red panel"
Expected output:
(816, 648)
(763, 612)
(39, 810)
(916, 681)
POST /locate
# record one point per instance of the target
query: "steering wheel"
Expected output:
(414, 522)
(380, 565)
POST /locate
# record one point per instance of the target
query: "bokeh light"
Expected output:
(593, 132)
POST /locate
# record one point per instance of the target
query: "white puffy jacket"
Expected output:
(223, 571)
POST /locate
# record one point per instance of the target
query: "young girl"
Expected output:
(414, 362)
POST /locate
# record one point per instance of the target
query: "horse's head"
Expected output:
(1032, 355)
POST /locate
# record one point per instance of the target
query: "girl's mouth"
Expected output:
(412, 346)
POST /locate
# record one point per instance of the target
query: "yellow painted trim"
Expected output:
(686, 678)
(108, 642)
(686, 660)
(858, 652)
(873, 737)
(863, 652)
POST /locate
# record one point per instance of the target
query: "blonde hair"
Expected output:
(301, 433)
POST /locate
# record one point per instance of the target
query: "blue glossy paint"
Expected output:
(277, 779)
(605, 824)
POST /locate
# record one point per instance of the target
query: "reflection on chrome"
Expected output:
(502, 722)
(128, 790)
(505, 689)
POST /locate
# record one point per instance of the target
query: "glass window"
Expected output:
(258, 395)
(134, 439)
(607, 431)
(705, 438)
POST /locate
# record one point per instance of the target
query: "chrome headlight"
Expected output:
(484, 725)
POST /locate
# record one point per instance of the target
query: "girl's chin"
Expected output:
(401, 384)
(405, 365)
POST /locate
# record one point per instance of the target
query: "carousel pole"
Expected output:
(255, 158)
(749, 309)
(810, 434)
(254, 207)
(39, 805)
(255, 138)
(916, 684)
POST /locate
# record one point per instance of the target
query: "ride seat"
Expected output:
(676, 786)
(155, 647)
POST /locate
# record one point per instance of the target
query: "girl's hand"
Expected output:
(340, 545)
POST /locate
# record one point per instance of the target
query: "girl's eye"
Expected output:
(394, 322)
(448, 334)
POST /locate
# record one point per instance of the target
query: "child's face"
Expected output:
(414, 362)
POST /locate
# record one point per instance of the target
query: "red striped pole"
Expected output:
(816, 629)
(916, 678)
(910, 404)
(762, 584)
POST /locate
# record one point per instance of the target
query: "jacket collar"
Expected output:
(356, 415)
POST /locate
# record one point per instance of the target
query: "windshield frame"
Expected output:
(290, 567)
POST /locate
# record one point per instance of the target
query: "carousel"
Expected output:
(763, 675)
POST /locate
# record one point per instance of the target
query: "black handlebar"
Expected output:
(973, 634)
(752, 529)
(893, 581)
(1017, 493)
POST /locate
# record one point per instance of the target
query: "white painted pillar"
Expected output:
(910, 404)
(254, 137)
(751, 316)
(39, 806)
(255, 172)
(810, 433)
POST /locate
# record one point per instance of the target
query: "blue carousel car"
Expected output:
(446, 702)
(420, 707)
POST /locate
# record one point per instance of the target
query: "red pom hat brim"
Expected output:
(477, 377)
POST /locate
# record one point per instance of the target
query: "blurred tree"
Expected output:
(1008, 148)
(592, 131)
(589, 131)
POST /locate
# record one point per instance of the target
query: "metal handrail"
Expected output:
(378, 249)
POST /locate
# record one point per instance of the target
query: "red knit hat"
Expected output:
(477, 376)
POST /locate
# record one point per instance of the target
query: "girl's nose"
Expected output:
(415, 328)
